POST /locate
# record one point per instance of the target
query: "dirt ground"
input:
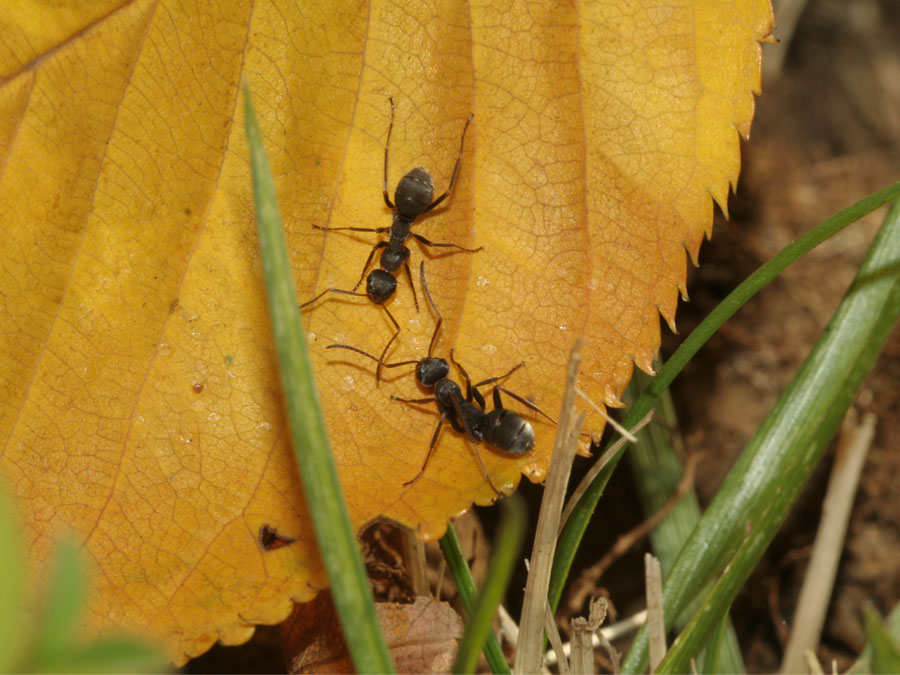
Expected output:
(826, 133)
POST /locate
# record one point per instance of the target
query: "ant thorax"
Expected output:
(445, 391)
(392, 258)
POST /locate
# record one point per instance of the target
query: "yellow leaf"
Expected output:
(141, 406)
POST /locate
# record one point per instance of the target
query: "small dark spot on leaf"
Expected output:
(229, 359)
(173, 305)
(270, 540)
(197, 387)
(187, 211)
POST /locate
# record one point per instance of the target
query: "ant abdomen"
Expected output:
(508, 431)
(413, 193)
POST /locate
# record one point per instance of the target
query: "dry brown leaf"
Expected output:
(141, 406)
(422, 637)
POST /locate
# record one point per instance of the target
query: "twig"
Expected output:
(613, 632)
(552, 631)
(589, 577)
(655, 618)
(586, 635)
(530, 643)
(605, 415)
(414, 558)
(853, 446)
(595, 470)
(812, 663)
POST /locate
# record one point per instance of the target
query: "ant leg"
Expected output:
(491, 380)
(331, 290)
(379, 230)
(498, 404)
(387, 145)
(465, 425)
(459, 367)
(425, 241)
(387, 346)
(471, 392)
(455, 168)
(411, 285)
(440, 319)
(479, 399)
(379, 245)
(413, 400)
(434, 437)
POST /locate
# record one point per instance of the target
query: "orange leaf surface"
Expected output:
(141, 407)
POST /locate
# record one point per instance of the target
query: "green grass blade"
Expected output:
(657, 469)
(12, 584)
(336, 539)
(109, 655)
(892, 627)
(572, 534)
(63, 602)
(714, 651)
(759, 491)
(885, 652)
(465, 586)
(507, 546)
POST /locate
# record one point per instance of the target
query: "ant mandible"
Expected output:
(412, 198)
(501, 428)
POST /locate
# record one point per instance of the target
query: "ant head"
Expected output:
(431, 370)
(413, 193)
(380, 286)
(391, 259)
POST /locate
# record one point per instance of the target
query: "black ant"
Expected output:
(501, 428)
(413, 198)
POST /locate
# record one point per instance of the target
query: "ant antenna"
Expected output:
(440, 319)
(388, 345)
(332, 290)
(374, 358)
(380, 361)
(387, 145)
(455, 168)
